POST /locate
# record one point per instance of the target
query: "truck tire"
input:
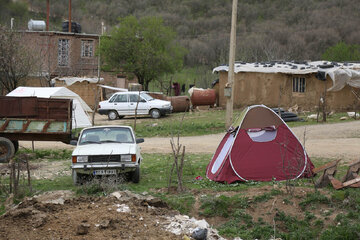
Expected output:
(7, 150)
(112, 115)
(155, 113)
(135, 178)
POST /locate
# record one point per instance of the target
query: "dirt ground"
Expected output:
(125, 215)
(339, 140)
(59, 215)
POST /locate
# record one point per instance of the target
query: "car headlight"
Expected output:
(128, 158)
(76, 159)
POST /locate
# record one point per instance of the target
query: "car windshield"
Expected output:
(147, 97)
(106, 135)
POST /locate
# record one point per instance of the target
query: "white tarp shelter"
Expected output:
(71, 80)
(80, 116)
(341, 74)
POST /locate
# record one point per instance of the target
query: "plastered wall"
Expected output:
(275, 89)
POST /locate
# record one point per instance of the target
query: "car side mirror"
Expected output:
(140, 140)
(73, 142)
(142, 100)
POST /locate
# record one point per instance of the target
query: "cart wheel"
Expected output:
(7, 150)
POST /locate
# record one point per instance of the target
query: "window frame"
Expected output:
(63, 52)
(298, 84)
(87, 48)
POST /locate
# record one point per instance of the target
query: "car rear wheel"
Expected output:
(112, 115)
(155, 113)
(135, 178)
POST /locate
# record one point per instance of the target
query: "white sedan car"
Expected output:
(106, 150)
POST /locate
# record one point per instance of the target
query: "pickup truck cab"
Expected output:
(124, 104)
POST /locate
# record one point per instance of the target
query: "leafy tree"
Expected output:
(342, 52)
(145, 48)
(15, 60)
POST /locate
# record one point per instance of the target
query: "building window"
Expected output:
(87, 47)
(299, 84)
(63, 52)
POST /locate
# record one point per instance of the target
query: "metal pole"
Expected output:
(47, 14)
(69, 15)
(230, 83)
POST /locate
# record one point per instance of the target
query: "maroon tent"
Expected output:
(260, 147)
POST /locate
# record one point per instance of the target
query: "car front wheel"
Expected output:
(112, 115)
(75, 177)
(135, 178)
(155, 113)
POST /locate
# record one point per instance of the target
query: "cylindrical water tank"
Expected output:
(201, 97)
(135, 87)
(36, 25)
(179, 103)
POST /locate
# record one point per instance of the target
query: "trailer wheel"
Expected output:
(16, 145)
(7, 150)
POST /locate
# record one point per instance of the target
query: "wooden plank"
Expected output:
(328, 165)
(335, 183)
(351, 182)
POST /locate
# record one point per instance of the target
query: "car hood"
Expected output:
(105, 149)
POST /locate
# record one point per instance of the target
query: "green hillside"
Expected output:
(266, 30)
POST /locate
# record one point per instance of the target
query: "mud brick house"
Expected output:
(287, 84)
(68, 54)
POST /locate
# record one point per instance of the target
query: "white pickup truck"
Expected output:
(124, 104)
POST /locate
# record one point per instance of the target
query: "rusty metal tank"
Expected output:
(157, 95)
(201, 97)
(180, 103)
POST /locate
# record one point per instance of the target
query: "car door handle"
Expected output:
(131, 104)
(115, 103)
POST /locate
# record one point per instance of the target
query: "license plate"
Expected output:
(105, 172)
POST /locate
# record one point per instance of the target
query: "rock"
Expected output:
(199, 234)
(38, 220)
(123, 208)
(312, 116)
(201, 223)
(104, 224)
(83, 229)
(343, 118)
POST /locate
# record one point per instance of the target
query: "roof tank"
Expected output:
(36, 25)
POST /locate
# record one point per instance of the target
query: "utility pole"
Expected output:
(229, 87)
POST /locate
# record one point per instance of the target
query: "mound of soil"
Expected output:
(86, 218)
(123, 215)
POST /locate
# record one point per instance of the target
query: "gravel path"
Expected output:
(340, 140)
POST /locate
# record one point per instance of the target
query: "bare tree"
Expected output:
(15, 60)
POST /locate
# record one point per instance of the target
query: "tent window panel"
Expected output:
(299, 84)
(222, 155)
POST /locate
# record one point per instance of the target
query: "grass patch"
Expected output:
(313, 199)
(202, 123)
(181, 202)
(222, 205)
(45, 154)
